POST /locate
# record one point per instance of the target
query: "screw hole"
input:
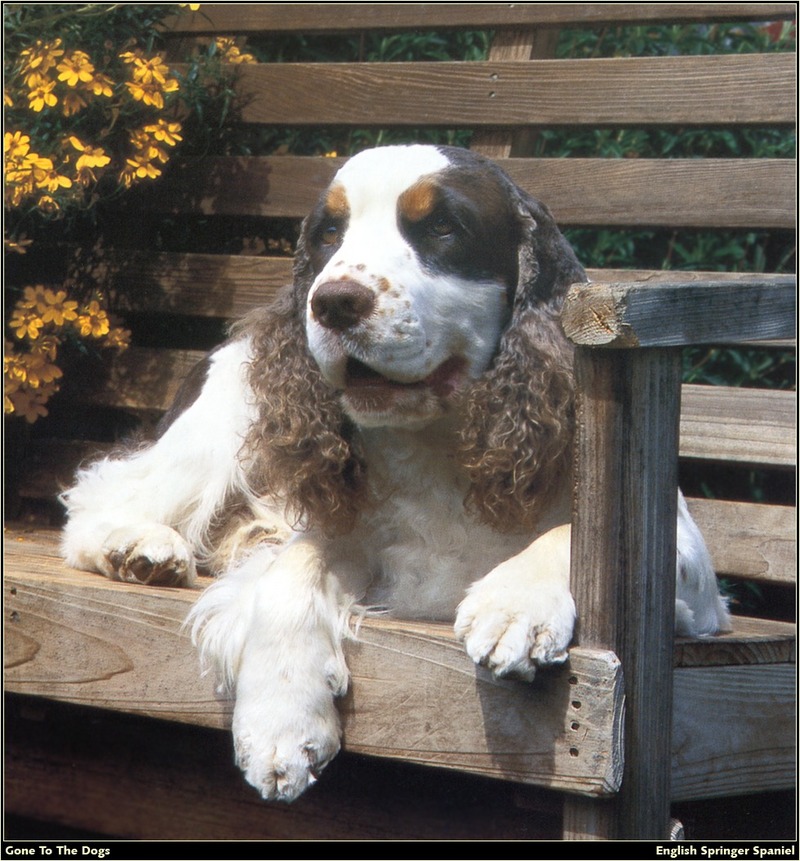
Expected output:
(14, 616)
(576, 704)
(575, 725)
(573, 751)
(573, 680)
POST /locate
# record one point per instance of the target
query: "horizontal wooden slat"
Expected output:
(76, 638)
(701, 90)
(747, 426)
(229, 286)
(680, 313)
(748, 539)
(752, 426)
(734, 731)
(251, 18)
(579, 191)
(79, 638)
(101, 772)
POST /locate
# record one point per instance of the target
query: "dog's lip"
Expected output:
(443, 380)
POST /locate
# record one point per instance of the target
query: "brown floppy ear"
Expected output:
(516, 441)
(303, 448)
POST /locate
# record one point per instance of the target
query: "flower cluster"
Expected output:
(230, 52)
(87, 116)
(41, 322)
(51, 82)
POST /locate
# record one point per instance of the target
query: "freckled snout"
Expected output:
(341, 305)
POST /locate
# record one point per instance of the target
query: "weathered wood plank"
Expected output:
(749, 540)
(624, 534)
(752, 641)
(252, 18)
(579, 191)
(746, 426)
(76, 637)
(414, 696)
(703, 90)
(108, 773)
(681, 313)
(734, 731)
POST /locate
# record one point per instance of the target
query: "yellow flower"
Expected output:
(52, 181)
(89, 156)
(35, 298)
(73, 103)
(40, 371)
(118, 338)
(101, 85)
(193, 7)
(139, 168)
(47, 346)
(41, 56)
(93, 321)
(47, 204)
(166, 132)
(26, 322)
(231, 52)
(16, 145)
(29, 404)
(147, 71)
(41, 96)
(76, 69)
(59, 309)
(151, 93)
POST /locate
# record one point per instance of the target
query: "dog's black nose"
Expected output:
(341, 305)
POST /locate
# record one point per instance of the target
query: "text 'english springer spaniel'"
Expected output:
(393, 432)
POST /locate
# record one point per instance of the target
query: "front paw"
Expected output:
(282, 742)
(513, 630)
(153, 554)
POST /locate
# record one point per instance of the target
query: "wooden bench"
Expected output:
(111, 730)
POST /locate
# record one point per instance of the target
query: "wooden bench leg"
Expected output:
(623, 565)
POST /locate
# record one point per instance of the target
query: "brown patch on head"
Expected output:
(336, 202)
(419, 200)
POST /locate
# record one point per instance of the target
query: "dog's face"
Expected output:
(414, 257)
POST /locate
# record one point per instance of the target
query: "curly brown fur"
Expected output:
(303, 448)
(515, 444)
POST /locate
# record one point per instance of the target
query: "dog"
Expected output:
(393, 432)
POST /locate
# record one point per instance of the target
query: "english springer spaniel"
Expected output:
(393, 432)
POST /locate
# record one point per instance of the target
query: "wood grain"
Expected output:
(75, 637)
(579, 191)
(680, 313)
(252, 18)
(745, 426)
(624, 534)
(691, 90)
(748, 539)
(747, 741)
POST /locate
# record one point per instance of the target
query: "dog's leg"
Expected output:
(142, 516)
(274, 629)
(521, 614)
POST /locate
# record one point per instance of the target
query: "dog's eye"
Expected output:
(441, 225)
(330, 235)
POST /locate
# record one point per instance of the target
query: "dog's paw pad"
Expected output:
(154, 555)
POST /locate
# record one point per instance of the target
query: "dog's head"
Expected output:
(426, 284)
(411, 267)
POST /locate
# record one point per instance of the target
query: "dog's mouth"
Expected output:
(443, 381)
